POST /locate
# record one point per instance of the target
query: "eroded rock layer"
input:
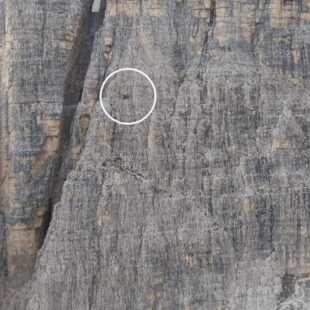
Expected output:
(205, 205)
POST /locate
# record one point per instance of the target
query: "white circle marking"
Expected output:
(143, 118)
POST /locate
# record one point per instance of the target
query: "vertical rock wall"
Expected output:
(203, 206)
(40, 45)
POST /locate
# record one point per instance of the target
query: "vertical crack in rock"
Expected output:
(213, 14)
(46, 223)
(260, 19)
(74, 89)
(46, 48)
(208, 37)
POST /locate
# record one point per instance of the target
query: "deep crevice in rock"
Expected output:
(46, 223)
(73, 89)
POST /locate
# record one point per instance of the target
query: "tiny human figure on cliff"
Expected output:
(125, 94)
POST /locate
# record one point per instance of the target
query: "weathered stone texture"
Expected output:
(205, 205)
(38, 44)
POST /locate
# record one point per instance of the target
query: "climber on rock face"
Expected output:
(125, 94)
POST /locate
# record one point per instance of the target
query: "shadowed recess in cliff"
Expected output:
(73, 93)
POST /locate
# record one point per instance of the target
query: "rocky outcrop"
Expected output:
(205, 205)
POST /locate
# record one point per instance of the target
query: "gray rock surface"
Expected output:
(42, 65)
(205, 205)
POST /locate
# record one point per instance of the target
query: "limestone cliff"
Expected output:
(205, 205)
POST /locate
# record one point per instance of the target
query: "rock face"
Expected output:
(44, 48)
(205, 205)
